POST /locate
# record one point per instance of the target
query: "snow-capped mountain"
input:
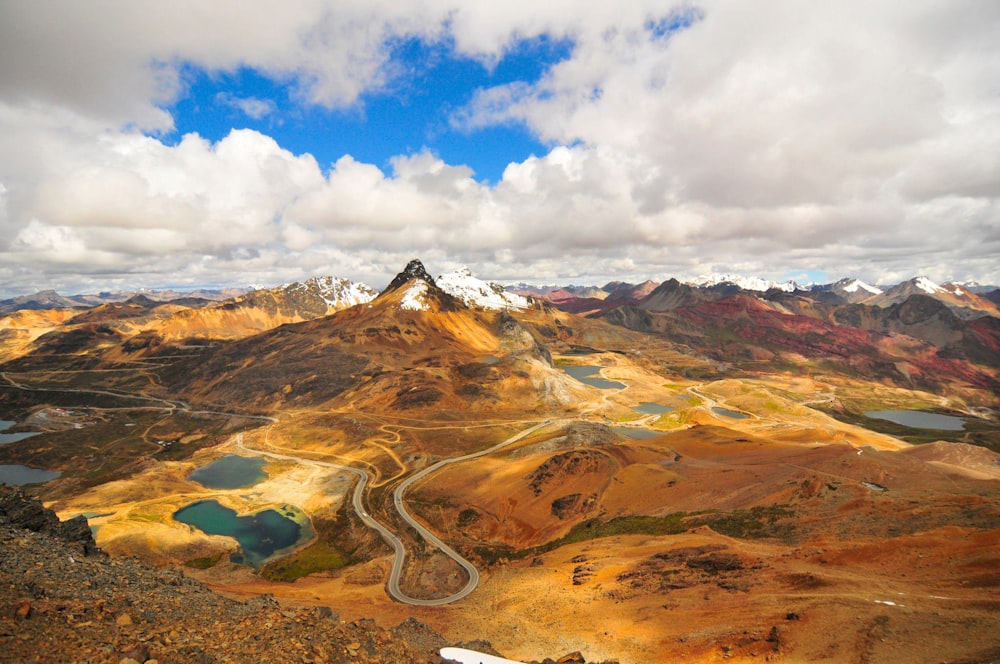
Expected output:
(926, 285)
(746, 283)
(850, 289)
(963, 302)
(478, 293)
(858, 286)
(336, 292)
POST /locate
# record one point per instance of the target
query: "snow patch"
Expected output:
(414, 298)
(926, 285)
(746, 283)
(478, 293)
(857, 284)
(887, 602)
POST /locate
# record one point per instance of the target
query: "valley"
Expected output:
(698, 484)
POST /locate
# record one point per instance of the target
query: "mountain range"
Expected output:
(709, 464)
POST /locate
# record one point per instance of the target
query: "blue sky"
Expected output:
(231, 143)
(415, 112)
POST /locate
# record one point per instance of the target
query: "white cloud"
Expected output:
(256, 109)
(856, 137)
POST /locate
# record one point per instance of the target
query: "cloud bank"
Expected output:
(856, 138)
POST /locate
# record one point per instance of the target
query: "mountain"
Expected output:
(932, 321)
(962, 301)
(743, 283)
(414, 348)
(49, 299)
(690, 448)
(672, 294)
(477, 293)
(856, 339)
(849, 289)
(588, 299)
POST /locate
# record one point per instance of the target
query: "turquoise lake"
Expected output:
(587, 375)
(725, 412)
(230, 472)
(918, 419)
(260, 535)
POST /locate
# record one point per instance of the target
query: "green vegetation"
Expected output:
(763, 522)
(205, 562)
(319, 556)
(671, 524)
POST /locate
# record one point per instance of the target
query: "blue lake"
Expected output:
(725, 412)
(649, 408)
(6, 438)
(260, 535)
(588, 376)
(17, 475)
(230, 472)
(918, 419)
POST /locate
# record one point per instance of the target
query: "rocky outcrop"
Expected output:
(21, 511)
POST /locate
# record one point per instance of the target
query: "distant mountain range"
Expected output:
(966, 302)
(49, 299)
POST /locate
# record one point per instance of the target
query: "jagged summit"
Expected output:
(335, 291)
(414, 289)
(413, 270)
(478, 293)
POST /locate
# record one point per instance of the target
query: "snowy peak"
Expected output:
(926, 285)
(850, 289)
(414, 289)
(336, 292)
(959, 299)
(477, 293)
(856, 285)
(745, 283)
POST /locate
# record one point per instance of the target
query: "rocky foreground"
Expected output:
(63, 600)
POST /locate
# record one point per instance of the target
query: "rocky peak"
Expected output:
(413, 270)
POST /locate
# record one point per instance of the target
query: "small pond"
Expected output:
(589, 376)
(6, 438)
(17, 475)
(649, 408)
(725, 412)
(918, 419)
(230, 472)
(260, 535)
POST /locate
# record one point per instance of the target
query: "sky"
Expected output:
(187, 144)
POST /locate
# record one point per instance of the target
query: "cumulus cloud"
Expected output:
(859, 138)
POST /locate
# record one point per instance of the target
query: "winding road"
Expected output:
(399, 551)
(357, 499)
